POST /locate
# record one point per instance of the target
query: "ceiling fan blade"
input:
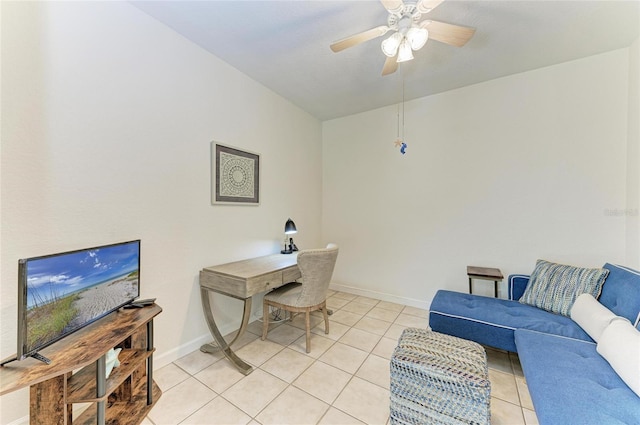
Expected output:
(390, 66)
(359, 38)
(454, 35)
(425, 6)
(393, 6)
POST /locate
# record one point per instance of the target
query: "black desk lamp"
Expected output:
(289, 229)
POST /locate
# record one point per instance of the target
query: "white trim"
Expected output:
(164, 358)
(20, 421)
(626, 269)
(556, 336)
(511, 278)
(473, 320)
(412, 302)
(509, 327)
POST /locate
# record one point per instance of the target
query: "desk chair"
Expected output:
(316, 267)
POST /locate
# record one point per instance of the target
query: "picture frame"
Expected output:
(235, 176)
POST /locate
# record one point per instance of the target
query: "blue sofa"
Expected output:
(569, 382)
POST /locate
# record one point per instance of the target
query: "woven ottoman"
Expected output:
(439, 379)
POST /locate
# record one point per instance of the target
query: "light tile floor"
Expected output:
(344, 380)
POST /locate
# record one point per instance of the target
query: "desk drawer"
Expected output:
(264, 283)
(227, 285)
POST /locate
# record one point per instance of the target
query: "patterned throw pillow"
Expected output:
(555, 287)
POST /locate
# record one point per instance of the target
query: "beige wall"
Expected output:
(496, 174)
(632, 212)
(107, 121)
(106, 124)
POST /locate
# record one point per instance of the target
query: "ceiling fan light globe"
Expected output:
(417, 37)
(404, 52)
(390, 44)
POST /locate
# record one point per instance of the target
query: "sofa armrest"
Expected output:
(517, 283)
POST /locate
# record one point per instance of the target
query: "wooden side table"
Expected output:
(484, 273)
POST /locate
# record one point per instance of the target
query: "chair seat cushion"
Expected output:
(287, 294)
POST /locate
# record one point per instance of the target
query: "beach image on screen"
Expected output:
(65, 292)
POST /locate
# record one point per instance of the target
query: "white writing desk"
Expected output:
(242, 280)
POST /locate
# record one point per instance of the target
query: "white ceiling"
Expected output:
(284, 45)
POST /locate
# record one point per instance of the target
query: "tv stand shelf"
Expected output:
(81, 387)
(76, 373)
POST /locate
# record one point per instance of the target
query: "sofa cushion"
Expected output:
(492, 321)
(620, 346)
(554, 287)
(592, 316)
(621, 292)
(571, 383)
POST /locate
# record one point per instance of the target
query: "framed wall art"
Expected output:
(235, 176)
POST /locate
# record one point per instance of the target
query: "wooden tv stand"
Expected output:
(76, 373)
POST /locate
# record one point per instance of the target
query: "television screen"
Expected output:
(61, 293)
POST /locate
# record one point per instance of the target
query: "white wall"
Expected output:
(107, 121)
(496, 174)
(106, 124)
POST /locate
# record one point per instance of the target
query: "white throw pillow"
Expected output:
(592, 316)
(620, 346)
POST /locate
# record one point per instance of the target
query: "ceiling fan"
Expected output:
(409, 33)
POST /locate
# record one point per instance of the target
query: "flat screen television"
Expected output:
(61, 293)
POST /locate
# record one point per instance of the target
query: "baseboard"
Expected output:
(163, 359)
(21, 421)
(380, 296)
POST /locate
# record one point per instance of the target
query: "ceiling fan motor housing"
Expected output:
(408, 35)
(404, 19)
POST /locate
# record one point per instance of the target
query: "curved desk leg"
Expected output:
(217, 336)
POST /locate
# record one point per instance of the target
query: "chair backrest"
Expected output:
(316, 267)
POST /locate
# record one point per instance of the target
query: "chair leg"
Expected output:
(307, 323)
(265, 320)
(326, 318)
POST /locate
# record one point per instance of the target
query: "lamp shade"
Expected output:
(390, 45)
(290, 227)
(404, 52)
(417, 37)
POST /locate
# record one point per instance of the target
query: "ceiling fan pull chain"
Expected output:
(403, 148)
(400, 140)
(398, 123)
